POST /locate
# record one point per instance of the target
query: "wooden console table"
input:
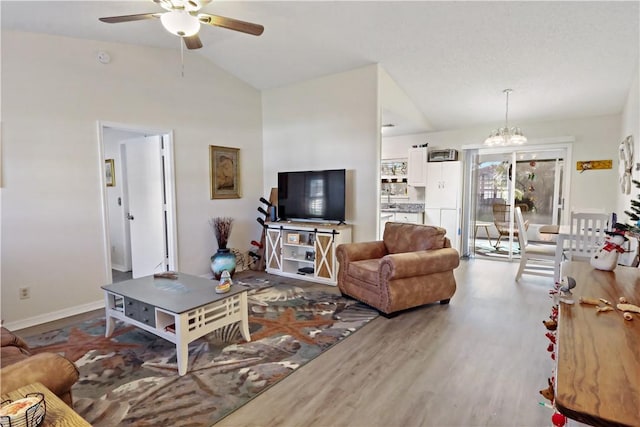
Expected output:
(598, 354)
(58, 414)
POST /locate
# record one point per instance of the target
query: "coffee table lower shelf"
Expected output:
(180, 328)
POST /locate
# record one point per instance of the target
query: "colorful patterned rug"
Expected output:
(131, 378)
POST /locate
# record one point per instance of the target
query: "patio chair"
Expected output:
(501, 219)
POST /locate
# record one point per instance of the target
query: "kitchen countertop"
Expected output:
(402, 207)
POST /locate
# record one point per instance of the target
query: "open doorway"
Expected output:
(138, 200)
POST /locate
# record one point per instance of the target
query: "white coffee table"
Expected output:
(180, 311)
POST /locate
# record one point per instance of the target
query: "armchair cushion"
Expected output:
(422, 263)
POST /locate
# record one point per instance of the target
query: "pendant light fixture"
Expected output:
(506, 135)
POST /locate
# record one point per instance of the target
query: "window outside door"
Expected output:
(532, 179)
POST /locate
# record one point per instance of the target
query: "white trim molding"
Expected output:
(54, 315)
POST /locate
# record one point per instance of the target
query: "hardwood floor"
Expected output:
(480, 361)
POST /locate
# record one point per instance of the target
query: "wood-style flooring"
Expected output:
(479, 361)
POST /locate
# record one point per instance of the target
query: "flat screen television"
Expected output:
(312, 195)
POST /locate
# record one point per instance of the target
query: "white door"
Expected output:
(143, 158)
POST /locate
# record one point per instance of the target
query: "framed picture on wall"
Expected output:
(110, 173)
(224, 164)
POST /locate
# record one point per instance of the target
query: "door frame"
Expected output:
(169, 184)
(563, 142)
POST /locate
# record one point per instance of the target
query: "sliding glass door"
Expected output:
(500, 180)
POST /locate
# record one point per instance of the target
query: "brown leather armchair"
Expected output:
(412, 266)
(20, 368)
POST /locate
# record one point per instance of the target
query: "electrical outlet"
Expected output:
(25, 293)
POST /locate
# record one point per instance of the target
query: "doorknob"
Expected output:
(129, 216)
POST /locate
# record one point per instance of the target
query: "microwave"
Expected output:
(444, 155)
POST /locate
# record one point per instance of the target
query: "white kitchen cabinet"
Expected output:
(384, 218)
(417, 167)
(411, 217)
(443, 195)
(449, 219)
(443, 184)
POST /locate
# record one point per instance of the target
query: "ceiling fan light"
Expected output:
(180, 23)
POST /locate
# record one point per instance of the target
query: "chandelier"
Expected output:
(506, 135)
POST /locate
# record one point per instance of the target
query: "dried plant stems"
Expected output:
(222, 229)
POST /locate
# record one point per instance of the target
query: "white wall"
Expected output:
(596, 138)
(329, 123)
(630, 126)
(54, 92)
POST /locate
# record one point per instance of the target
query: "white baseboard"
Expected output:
(120, 268)
(54, 315)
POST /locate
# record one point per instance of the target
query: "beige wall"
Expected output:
(53, 93)
(329, 123)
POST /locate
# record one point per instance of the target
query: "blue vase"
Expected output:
(223, 260)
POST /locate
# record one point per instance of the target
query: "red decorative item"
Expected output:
(550, 348)
(551, 337)
(558, 419)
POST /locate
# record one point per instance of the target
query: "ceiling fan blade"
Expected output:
(129, 18)
(231, 24)
(165, 4)
(192, 42)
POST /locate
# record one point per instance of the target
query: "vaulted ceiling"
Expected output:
(452, 58)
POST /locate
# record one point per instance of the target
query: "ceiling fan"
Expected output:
(183, 19)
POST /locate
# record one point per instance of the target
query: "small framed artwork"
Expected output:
(110, 173)
(224, 170)
(293, 238)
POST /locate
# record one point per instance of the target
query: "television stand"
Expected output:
(305, 250)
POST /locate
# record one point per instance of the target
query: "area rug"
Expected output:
(131, 378)
(483, 248)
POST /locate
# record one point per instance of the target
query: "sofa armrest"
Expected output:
(421, 263)
(54, 371)
(8, 338)
(349, 252)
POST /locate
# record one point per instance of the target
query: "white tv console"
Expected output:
(305, 250)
